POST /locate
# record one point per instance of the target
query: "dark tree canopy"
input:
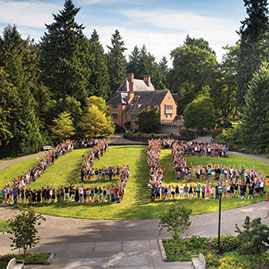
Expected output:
(61, 54)
(149, 120)
(256, 112)
(253, 37)
(117, 63)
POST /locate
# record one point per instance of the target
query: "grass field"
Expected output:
(136, 203)
(4, 226)
(7, 174)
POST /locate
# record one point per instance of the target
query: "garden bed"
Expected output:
(31, 258)
(231, 258)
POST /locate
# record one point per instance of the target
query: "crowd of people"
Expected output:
(40, 168)
(243, 182)
(102, 173)
(83, 193)
(96, 152)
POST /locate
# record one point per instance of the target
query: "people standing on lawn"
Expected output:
(236, 181)
(51, 194)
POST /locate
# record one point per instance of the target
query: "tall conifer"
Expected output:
(116, 61)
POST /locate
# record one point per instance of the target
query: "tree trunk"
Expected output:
(24, 252)
(259, 264)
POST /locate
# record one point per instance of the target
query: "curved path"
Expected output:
(6, 163)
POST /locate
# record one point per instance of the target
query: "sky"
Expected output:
(162, 25)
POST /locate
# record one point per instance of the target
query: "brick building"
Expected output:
(135, 95)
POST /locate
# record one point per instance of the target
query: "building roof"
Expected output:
(140, 98)
(139, 85)
(145, 98)
(175, 96)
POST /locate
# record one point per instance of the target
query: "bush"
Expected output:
(216, 132)
(187, 134)
(228, 242)
(119, 129)
(196, 243)
(31, 258)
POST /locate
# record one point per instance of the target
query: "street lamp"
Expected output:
(220, 189)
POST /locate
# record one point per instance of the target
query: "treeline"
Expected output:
(58, 87)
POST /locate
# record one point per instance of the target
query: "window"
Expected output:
(114, 106)
(114, 116)
(133, 118)
(168, 109)
(125, 116)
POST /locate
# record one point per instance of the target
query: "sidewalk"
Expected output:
(85, 243)
(6, 163)
(119, 254)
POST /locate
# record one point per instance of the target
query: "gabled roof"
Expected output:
(145, 98)
(118, 98)
(139, 85)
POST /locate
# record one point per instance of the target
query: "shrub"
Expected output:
(227, 242)
(119, 129)
(216, 132)
(196, 242)
(228, 262)
(187, 134)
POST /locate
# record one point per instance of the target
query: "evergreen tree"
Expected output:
(62, 52)
(99, 80)
(142, 63)
(162, 72)
(255, 122)
(22, 120)
(133, 64)
(116, 62)
(253, 36)
(8, 100)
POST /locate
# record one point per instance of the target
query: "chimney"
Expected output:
(130, 77)
(147, 80)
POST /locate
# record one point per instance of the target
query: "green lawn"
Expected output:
(136, 203)
(233, 160)
(4, 226)
(7, 174)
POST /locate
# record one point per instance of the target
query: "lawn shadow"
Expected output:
(141, 178)
(74, 175)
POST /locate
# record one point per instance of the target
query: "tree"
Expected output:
(223, 91)
(98, 83)
(116, 61)
(149, 120)
(253, 36)
(95, 119)
(194, 67)
(8, 100)
(62, 52)
(63, 126)
(19, 103)
(176, 220)
(143, 63)
(200, 113)
(254, 238)
(24, 230)
(162, 72)
(133, 64)
(255, 121)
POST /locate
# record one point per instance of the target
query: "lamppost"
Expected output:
(220, 189)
